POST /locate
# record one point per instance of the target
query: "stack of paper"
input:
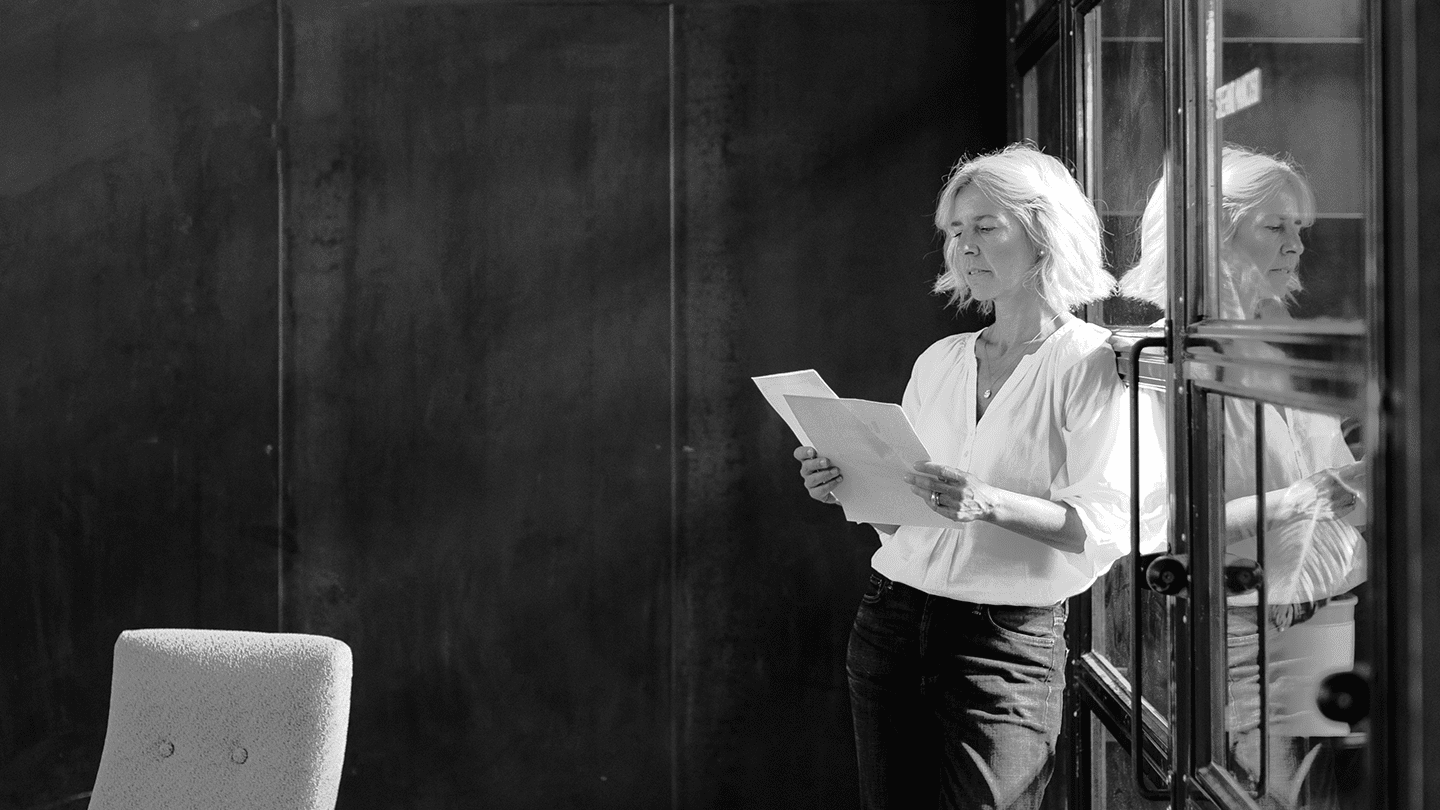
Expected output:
(872, 443)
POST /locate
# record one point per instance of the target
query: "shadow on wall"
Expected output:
(525, 475)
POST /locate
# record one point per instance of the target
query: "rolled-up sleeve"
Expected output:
(1095, 476)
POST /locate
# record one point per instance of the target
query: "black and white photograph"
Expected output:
(719, 404)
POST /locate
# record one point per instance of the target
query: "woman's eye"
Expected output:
(1275, 228)
(985, 228)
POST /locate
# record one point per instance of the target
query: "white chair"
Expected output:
(224, 720)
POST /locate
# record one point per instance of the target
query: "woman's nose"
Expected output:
(1294, 245)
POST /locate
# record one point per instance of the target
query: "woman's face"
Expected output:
(1267, 244)
(988, 247)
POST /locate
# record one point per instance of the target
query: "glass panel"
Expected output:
(1293, 18)
(1024, 10)
(1043, 120)
(1112, 780)
(1112, 628)
(1112, 597)
(1298, 508)
(1125, 118)
(1292, 117)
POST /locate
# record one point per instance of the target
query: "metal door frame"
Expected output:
(1391, 401)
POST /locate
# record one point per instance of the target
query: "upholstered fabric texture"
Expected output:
(221, 719)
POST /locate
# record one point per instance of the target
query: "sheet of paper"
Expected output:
(875, 446)
(800, 383)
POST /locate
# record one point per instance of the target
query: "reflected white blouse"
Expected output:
(1057, 430)
(1306, 559)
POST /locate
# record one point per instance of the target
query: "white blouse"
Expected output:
(1057, 430)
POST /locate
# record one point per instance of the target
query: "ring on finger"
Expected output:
(935, 498)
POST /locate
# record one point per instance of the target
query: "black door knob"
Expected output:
(1168, 574)
(1344, 697)
(1242, 576)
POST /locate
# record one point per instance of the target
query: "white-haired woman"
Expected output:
(957, 654)
(1314, 552)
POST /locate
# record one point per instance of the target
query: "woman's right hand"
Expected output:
(821, 477)
(1326, 495)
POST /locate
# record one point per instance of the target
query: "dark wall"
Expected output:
(138, 416)
(532, 254)
(480, 343)
(815, 140)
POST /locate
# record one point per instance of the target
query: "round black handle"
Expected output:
(1167, 574)
(1242, 576)
(1344, 697)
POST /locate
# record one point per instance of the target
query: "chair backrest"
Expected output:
(222, 719)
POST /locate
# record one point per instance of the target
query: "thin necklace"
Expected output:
(995, 377)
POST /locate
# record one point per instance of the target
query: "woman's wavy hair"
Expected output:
(1247, 179)
(1056, 216)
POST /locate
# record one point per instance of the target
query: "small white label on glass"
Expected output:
(1237, 94)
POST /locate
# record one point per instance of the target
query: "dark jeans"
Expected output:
(956, 705)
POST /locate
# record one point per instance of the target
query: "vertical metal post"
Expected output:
(1262, 599)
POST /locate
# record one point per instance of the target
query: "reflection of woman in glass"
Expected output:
(1314, 553)
(957, 655)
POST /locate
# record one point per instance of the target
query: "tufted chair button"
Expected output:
(164, 748)
(239, 755)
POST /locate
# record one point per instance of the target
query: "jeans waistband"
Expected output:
(911, 591)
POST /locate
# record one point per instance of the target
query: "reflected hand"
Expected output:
(952, 493)
(821, 477)
(1325, 495)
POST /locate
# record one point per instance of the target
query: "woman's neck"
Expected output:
(1022, 322)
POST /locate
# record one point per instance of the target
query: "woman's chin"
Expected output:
(1282, 282)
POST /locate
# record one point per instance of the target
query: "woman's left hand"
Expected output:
(955, 494)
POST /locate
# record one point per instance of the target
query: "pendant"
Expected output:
(986, 394)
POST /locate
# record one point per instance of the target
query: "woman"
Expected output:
(1314, 552)
(957, 654)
